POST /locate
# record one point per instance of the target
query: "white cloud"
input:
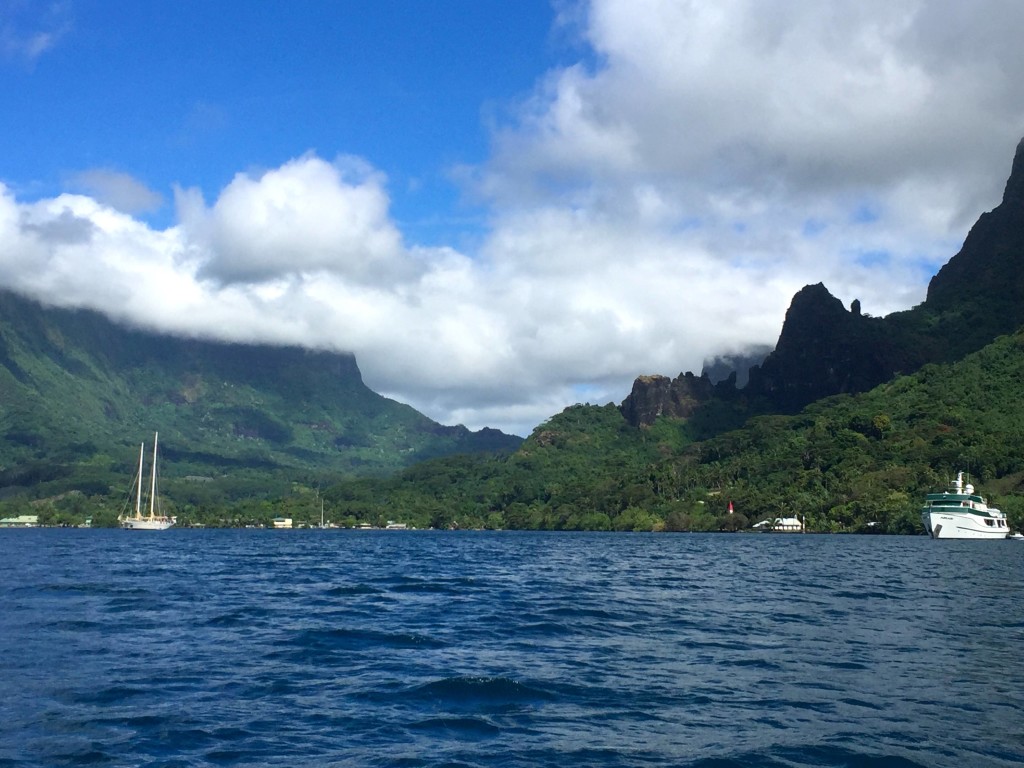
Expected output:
(774, 104)
(306, 216)
(648, 210)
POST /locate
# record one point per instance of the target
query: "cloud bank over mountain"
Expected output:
(654, 203)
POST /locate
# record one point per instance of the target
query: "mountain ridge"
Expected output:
(846, 424)
(824, 349)
(74, 385)
(670, 447)
(848, 463)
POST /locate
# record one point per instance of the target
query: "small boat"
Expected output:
(154, 521)
(1016, 536)
(960, 513)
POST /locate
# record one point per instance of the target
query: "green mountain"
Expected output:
(847, 422)
(79, 393)
(850, 420)
(842, 463)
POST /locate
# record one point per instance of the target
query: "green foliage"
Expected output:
(845, 464)
(78, 395)
(241, 449)
(849, 461)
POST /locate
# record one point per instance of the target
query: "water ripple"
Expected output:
(250, 648)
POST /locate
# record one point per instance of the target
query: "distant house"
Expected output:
(781, 525)
(21, 521)
(282, 522)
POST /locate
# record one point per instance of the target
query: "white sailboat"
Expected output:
(152, 521)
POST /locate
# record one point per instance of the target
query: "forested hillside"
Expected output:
(848, 422)
(842, 463)
(79, 393)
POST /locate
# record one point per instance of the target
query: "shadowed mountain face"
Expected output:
(979, 293)
(825, 349)
(656, 396)
(74, 387)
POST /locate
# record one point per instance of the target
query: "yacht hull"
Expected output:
(943, 525)
(960, 513)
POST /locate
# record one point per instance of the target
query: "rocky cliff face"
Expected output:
(655, 396)
(1013, 194)
(979, 293)
(825, 349)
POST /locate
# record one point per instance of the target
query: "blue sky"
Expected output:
(193, 93)
(499, 207)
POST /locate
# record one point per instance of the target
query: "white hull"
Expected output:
(146, 525)
(943, 525)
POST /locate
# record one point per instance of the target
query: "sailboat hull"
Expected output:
(146, 525)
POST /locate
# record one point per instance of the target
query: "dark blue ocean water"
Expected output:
(388, 648)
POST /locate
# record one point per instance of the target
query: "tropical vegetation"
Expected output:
(850, 463)
(853, 463)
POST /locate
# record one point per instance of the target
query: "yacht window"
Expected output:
(988, 523)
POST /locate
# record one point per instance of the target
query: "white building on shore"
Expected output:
(781, 525)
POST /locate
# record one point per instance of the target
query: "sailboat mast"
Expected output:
(138, 484)
(152, 488)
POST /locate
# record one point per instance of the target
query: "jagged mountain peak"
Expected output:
(656, 396)
(1014, 191)
(823, 349)
(826, 349)
(985, 280)
(813, 310)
